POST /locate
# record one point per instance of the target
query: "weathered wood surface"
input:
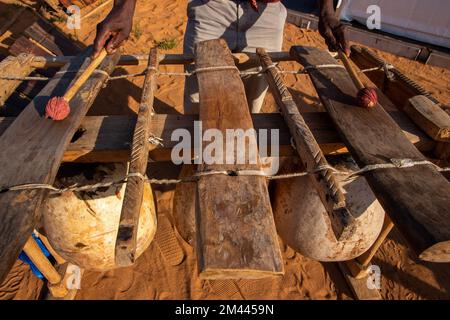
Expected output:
(15, 67)
(131, 208)
(429, 117)
(416, 198)
(32, 150)
(48, 36)
(309, 151)
(24, 45)
(236, 236)
(107, 138)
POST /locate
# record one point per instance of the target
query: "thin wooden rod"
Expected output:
(167, 59)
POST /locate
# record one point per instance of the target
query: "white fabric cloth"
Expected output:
(243, 29)
(422, 20)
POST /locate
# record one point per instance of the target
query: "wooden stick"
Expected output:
(359, 267)
(107, 138)
(351, 71)
(38, 258)
(309, 151)
(94, 10)
(169, 59)
(83, 77)
(56, 282)
(129, 217)
(59, 260)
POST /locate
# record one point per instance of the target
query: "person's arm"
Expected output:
(331, 29)
(116, 27)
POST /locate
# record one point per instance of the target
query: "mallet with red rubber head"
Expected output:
(367, 97)
(58, 108)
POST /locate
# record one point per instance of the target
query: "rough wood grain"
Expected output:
(107, 138)
(129, 217)
(236, 236)
(32, 149)
(309, 151)
(24, 45)
(16, 67)
(416, 198)
(51, 38)
(429, 117)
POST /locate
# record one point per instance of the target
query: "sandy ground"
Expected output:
(157, 273)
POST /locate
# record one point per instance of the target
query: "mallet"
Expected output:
(367, 97)
(58, 108)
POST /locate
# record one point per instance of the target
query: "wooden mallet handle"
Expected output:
(351, 71)
(70, 93)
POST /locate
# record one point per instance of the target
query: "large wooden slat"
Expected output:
(48, 36)
(416, 198)
(325, 183)
(236, 236)
(107, 138)
(429, 117)
(15, 67)
(125, 249)
(32, 149)
(399, 88)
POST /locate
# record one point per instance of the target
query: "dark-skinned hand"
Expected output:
(116, 27)
(332, 30)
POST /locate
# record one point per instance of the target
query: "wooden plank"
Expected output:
(310, 153)
(107, 138)
(125, 249)
(236, 236)
(373, 137)
(13, 66)
(24, 45)
(32, 149)
(429, 117)
(52, 38)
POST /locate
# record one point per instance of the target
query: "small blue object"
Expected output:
(23, 257)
